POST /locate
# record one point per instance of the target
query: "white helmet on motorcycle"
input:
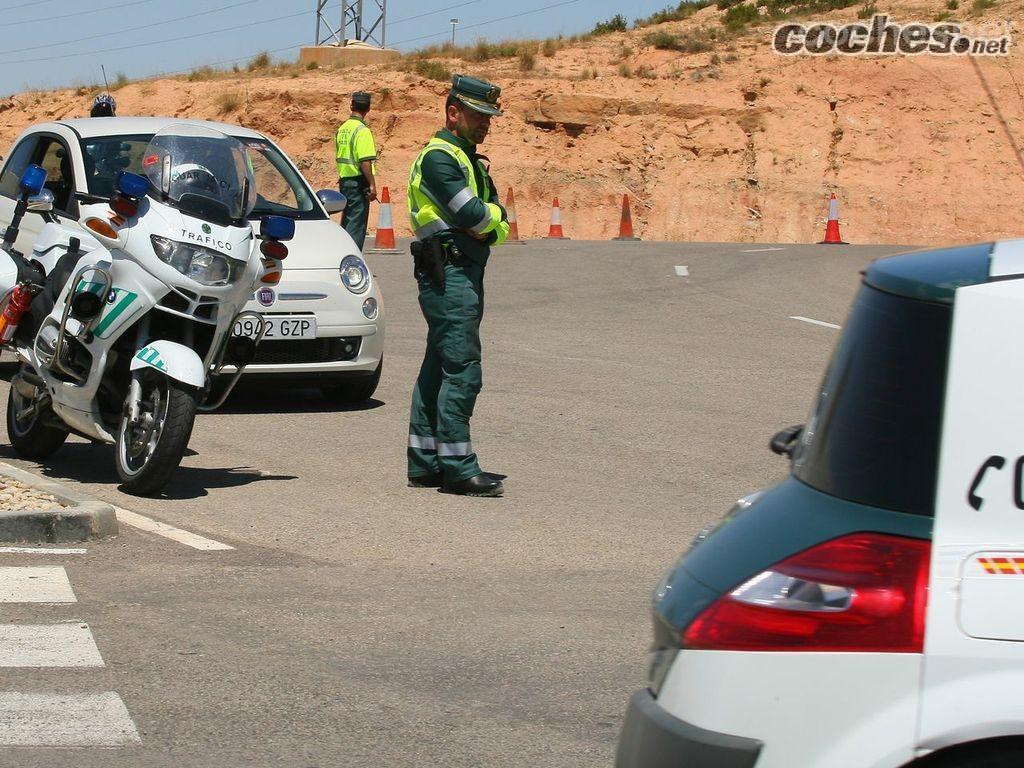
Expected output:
(192, 178)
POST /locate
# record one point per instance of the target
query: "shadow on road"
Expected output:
(88, 463)
(259, 398)
(254, 399)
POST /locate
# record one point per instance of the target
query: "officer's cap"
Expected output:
(478, 95)
(361, 99)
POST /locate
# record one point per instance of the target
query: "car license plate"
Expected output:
(278, 327)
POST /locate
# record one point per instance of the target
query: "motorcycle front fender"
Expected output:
(174, 360)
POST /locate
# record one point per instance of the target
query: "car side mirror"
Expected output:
(332, 201)
(784, 442)
(42, 202)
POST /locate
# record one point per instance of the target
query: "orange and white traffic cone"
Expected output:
(513, 221)
(555, 230)
(832, 236)
(384, 240)
(626, 223)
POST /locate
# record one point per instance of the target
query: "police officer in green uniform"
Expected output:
(356, 155)
(455, 213)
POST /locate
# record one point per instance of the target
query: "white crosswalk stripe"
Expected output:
(54, 719)
(87, 720)
(48, 645)
(35, 585)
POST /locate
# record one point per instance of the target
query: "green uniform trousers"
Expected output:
(357, 209)
(450, 377)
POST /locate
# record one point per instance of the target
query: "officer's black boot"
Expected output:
(478, 485)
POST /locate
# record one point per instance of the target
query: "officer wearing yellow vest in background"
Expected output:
(455, 213)
(356, 154)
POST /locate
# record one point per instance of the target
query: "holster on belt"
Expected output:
(429, 258)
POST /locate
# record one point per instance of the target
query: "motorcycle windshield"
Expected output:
(201, 171)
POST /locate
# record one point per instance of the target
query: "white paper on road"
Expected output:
(682, 271)
(41, 584)
(48, 645)
(822, 323)
(86, 720)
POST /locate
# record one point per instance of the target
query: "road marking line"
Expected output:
(682, 271)
(144, 523)
(48, 645)
(814, 322)
(87, 720)
(762, 250)
(35, 585)
(40, 551)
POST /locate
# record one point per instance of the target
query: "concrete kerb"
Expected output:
(82, 517)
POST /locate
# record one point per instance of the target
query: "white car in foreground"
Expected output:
(326, 324)
(868, 611)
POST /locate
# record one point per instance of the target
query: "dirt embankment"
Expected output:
(734, 144)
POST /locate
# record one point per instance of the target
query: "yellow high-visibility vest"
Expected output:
(427, 217)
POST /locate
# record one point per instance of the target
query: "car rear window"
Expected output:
(873, 435)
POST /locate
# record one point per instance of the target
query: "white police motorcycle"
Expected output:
(131, 315)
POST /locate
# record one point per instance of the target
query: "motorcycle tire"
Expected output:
(32, 438)
(147, 457)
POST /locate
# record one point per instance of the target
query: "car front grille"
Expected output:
(293, 351)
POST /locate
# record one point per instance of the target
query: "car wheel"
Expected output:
(977, 755)
(357, 390)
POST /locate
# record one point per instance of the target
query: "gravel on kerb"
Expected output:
(15, 496)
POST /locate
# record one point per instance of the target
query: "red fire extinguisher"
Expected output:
(17, 305)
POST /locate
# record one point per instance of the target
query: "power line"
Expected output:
(112, 32)
(431, 13)
(33, 4)
(161, 42)
(117, 6)
(490, 21)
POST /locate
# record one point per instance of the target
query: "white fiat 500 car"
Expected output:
(325, 319)
(868, 611)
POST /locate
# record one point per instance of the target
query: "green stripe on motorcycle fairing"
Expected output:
(116, 311)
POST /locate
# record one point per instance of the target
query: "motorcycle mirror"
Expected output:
(32, 180)
(277, 227)
(42, 202)
(131, 184)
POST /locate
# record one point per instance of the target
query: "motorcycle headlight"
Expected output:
(355, 274)
(204, 266)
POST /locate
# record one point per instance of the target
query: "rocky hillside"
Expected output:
(731, 143)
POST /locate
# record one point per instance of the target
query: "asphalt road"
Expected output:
(361, 623)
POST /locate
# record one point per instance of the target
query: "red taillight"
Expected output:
(124, 206)
(274, 249)
(862, 592)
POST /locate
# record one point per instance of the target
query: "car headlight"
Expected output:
(204, 266)
(355, 274)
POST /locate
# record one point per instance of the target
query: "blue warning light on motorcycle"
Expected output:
(277, 227)
(32, 180)
(131, 184)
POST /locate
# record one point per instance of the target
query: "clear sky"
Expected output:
(51, 43)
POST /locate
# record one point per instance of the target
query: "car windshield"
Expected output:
(280, 189)
(873, 435)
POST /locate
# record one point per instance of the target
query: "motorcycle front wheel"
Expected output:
(32, 437)
(150, 447)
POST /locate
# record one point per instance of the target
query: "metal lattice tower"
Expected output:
(363, 20)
